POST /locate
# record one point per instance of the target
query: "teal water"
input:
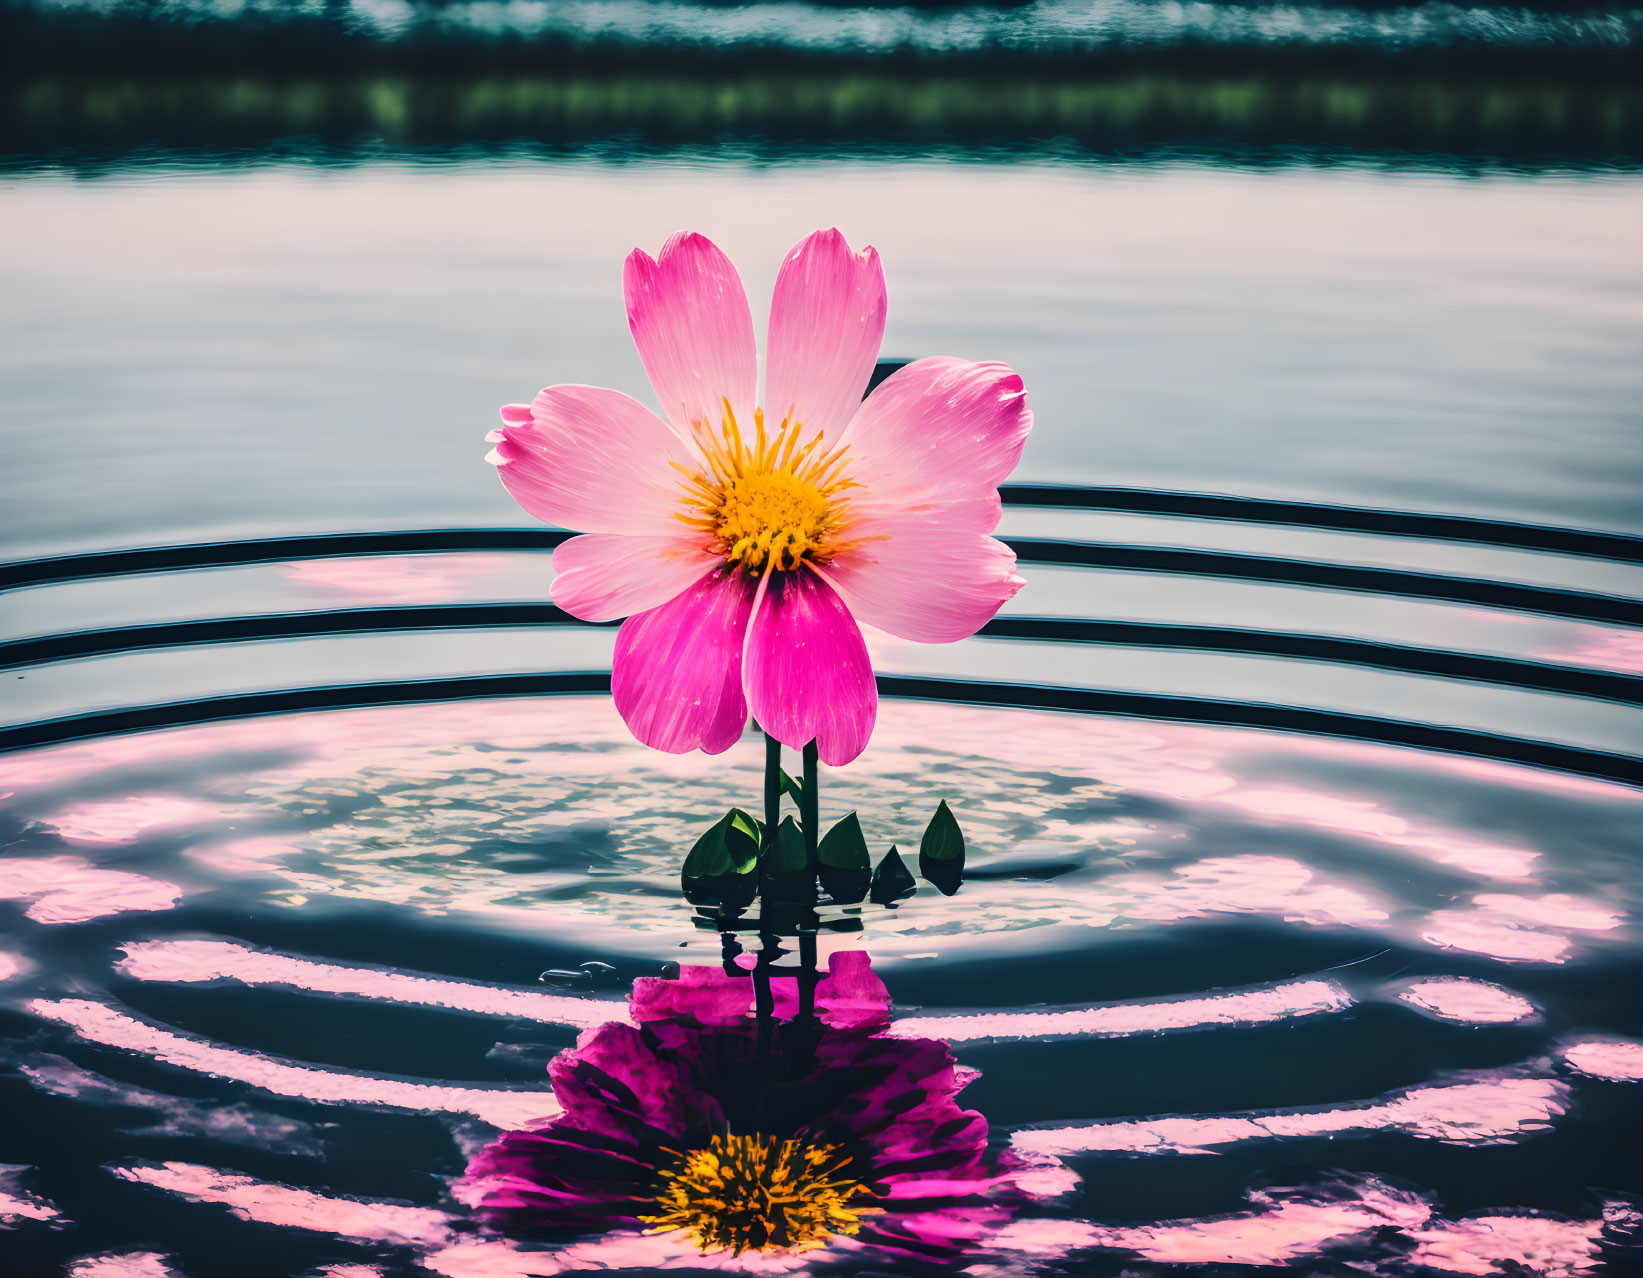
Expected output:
(1303, 815)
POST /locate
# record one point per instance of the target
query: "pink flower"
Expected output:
(744, 544)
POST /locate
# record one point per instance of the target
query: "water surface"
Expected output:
(1301, 782)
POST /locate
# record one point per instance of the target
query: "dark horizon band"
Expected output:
(1595, 764)
(1508, 672)
(1550, 601)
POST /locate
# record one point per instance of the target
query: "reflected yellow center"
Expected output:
(770, 503)
(760, 1193)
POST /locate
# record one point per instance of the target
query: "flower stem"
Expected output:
(810, 805)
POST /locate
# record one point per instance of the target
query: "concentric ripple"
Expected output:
(295, 932)
(1303, 859)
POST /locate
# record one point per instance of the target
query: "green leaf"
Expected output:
(791, 786)
(709, 856)
(787, 874)
(742, 838)
(846, 868)
(941, 851)
(788, 855)
(891, 881)
(719, 868)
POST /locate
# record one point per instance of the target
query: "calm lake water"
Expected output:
(1303, 783)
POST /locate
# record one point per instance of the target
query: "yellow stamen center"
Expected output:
(759, 1193)
(768, 504)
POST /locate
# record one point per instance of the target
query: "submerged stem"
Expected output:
(810, 813)
(764, 999)
(772, 789)
(764, 1005)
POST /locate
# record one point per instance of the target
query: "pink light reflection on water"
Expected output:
(18, 1205)
(1174, 760)
(1284, 1001)
(1492, 1244)
(1459, 998)
(369, 1220)
(1363, 819)
(1293, 1225)
(110, 822)
(1479, 932)
(1288, 1225)
(258, 854)
(1352, 816)
(170, 1116)
(124, 1264)
(404, 579)
(1285, 1232)
(99, 1023)
(268, 1203)
(192, 961)
(1557, 910)
(1522, 929)
(1189, 764)
(1615, 1060)
(1180, 761)
(1489, 1111)
(1609, 648)
(1247, 884)
(12, 965)
(70, 889)
(331, 736)
(188, 961)
(1044, 1176)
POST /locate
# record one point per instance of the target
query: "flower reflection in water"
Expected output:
(490, 814)
(803, 1128)
(770, 1122)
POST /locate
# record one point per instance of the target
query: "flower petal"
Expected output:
(557, 1176)
(938, 1236)
(850, 997)
(935, 431)
(691, 322)
(698, 996)
(677, 679)
(807, 672)
(924, 577)
(617, 1085)
(826, 325)
(591, 459)
(604, 576)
